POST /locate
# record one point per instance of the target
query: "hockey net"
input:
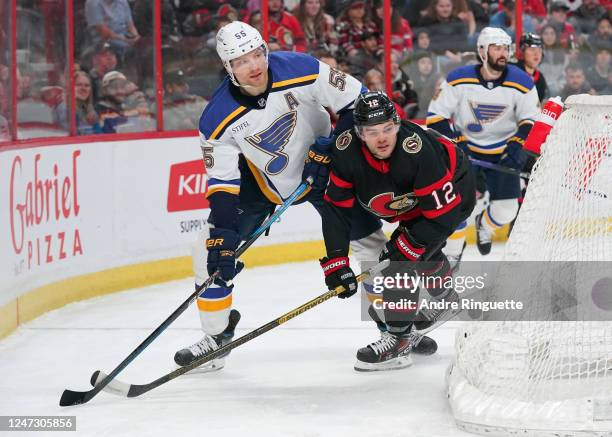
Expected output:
(549, 377)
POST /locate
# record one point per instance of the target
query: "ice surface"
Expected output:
(296, 380)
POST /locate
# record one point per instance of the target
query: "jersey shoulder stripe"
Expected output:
(462, 75)
(291, 70)
(222, 110)
(518, 79)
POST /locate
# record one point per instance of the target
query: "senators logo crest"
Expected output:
(389, 205)
(343, 141)
(413, 143)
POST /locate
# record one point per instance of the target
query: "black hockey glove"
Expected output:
(514, 156)
(402, 247)
(317, 162)
(338, 272)
(221, 248)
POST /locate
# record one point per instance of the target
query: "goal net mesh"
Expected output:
(549, 376)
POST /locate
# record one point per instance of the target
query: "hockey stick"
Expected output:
(70, 397)
(500, 168)
(133, 390)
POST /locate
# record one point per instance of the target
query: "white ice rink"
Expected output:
(296, 380)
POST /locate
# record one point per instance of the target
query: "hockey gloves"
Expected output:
(221, 248)
(402, 247)
(338, 272)
(318, 162)
(514, 156)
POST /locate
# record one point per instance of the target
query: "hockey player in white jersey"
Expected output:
(255, 136)
(493, 106)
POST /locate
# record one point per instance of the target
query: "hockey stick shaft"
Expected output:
(70, 397)
(500, 168)
(134, 390)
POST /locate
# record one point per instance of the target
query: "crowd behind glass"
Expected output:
(114, 80)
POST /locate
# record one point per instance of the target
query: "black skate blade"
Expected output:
(209, 367)
(394, 364)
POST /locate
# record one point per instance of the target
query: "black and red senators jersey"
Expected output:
(426, 180)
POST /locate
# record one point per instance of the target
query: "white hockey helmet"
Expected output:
(236, 39)
(491, 36)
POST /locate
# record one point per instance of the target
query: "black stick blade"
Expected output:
(70, 398)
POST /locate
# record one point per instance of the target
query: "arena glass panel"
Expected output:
(114, 74)
(41, 72)
(6, 83)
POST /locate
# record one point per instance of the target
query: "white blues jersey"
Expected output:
(486, 113)
(274, 130)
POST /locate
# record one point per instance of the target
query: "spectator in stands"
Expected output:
(219, 22)
(599, 73)
(343, 64)
(326, 57)
(554, 60)
(505, 19)
(137, 110)
(415, 10)
(111, 20)
(285, 28)
(602, 37)
(584, 19)
(529, 60)
(480, 9)
(448, 34)
(318, 26)
(143, 20)
(87, 119)
(465, 14)
(403, 93)
(422, 40)
(375, 81)
(576, 82)
(110, 106)
(401, 33)
(103, 60)
(423, 44)
(182, 110)
(351, 23)
(256, 21)
(535, 9)
(424, 78)
(558, 20)
(367, 56)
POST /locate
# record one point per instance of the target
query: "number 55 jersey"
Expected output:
(273, 130)
(426, 184)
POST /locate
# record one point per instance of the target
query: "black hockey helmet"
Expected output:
(531, 40)
(374, 107)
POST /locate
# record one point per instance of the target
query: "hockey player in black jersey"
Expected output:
(403, 174)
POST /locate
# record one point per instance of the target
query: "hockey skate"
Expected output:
(390, 352)
(426, 346)
(209, 343)
(483, 236)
